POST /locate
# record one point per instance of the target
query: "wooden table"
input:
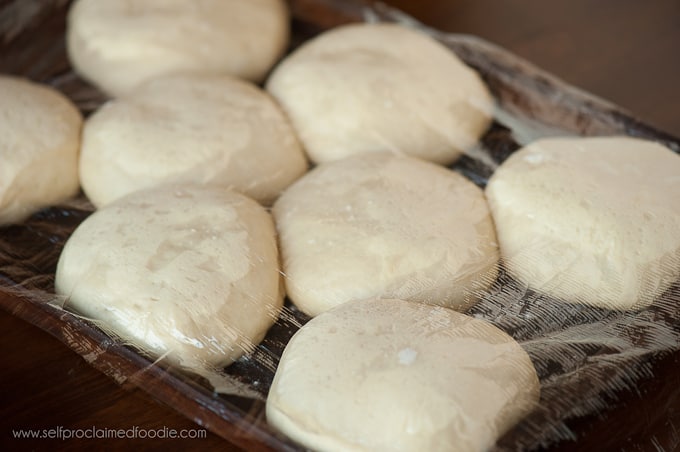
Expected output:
(626, 51)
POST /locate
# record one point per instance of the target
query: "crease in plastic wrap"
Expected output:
(585, 357)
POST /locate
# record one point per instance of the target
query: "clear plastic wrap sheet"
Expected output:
(587, 358)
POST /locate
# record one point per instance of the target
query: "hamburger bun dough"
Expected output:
(117, 45)
(200, 128)
(392, 375)
(183, 270)
(381, 225)
(381, 87)
(39, 143)
(590, 220)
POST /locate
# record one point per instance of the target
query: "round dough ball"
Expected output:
(590, 220)
(392, 375)
(379, 87)
(381, 225)
(201, 128)
(39, 143)
(183, 270)
(119, 44)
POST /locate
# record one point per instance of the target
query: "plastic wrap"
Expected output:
(588, 359)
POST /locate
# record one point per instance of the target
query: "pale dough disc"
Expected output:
(198, 128)
(381, 225)
(379, 87)
(183, 270)
(590, 220)
(39, 143)
(393, 375)
(119, 44)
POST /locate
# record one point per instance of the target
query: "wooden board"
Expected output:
(530, 99)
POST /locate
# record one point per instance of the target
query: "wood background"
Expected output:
(626, 51)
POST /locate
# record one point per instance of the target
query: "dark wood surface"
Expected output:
(626, 51)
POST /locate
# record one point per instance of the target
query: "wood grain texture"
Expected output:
(622, 50)
(46, 385)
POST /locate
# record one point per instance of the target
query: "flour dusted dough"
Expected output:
(590, 220)
(39, 142)
(191, 128)
(182, 270)
(392, 375)
(380, 225)
(119, 44)
(379, 87)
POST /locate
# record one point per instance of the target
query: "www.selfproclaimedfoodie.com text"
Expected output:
(64, 433)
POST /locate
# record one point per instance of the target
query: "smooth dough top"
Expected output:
(378, 87)
(183, 270)
(392, 375)
(197, 128)
(590, 220)
(39, 144)
(381, 225)
(118, 44)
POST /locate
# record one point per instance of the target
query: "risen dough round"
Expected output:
(39, 142)
(590, 220)
(363, 88)
(190, 128)
(119, 44)
(182, 270)
(392, 375)
(381, 225)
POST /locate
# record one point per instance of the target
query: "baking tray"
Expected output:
(588, 359)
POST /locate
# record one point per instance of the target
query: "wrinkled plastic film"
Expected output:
(585, 357)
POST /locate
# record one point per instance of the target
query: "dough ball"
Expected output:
(590, 220)
(197, 128)
(392, 375)
(381, 225)
(39, 143)
(184, 270)
(119, 44)
(378, 87)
